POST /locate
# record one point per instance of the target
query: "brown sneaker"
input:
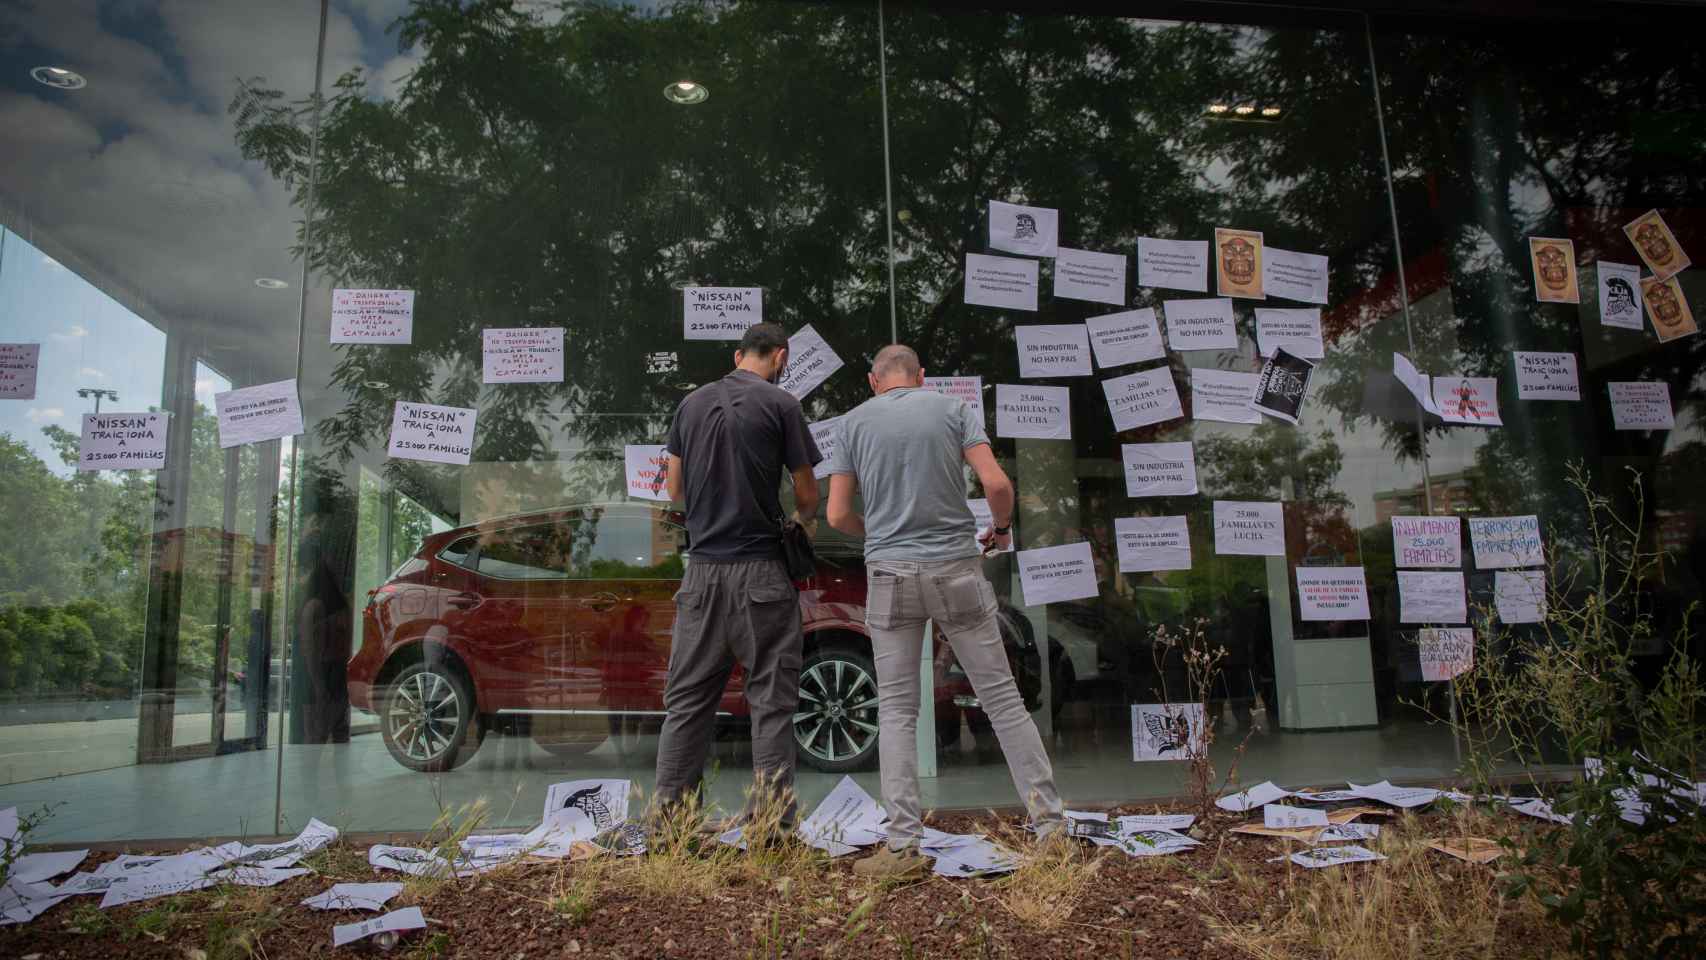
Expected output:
(887, 864)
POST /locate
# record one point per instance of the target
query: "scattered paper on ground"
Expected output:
(1472, 849)
(408, 918)
(1258, 795)
(1333, 856)
(354, 896)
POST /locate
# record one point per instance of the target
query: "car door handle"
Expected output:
(463, 601)
(600, 601)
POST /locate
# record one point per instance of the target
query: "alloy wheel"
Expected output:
(423, 716)
(837, 718)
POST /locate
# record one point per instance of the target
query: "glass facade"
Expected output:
(236, 638)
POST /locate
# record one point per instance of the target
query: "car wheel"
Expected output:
(835, 726)
(427, 718)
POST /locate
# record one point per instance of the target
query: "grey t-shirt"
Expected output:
(906, 447)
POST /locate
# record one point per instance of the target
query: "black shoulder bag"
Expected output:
(797, 553)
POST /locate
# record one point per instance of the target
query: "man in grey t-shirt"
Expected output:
(905, 450)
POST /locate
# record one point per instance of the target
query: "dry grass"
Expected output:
(1052, 877)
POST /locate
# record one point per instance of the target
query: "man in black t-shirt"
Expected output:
(728, 447)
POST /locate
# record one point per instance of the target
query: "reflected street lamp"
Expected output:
(97, 393)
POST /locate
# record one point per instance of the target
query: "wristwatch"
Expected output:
(1002, 531)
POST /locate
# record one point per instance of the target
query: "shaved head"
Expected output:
(895, 360)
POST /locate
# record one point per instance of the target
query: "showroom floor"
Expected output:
(357, 786)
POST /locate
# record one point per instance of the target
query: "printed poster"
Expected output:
(522, 354)
(122, 441)
(1298, 330)
(1249, 528)
(1142, 398)
(1200, 324)
(1172, 264)
(1238, 253)
(1506, 542)
(1053, 350)
(1033, 231)
(965, 389)
(1033, 411)
(1641, 405)
(1054, 574)
(720, 313)
(373, 316)
(1332, 593)
(1671, 315)
(1546, 376)
(1087, 275)
(425, 431)
(1468, 400)
(1657, 245)
(1426, 596)
(1282, 385)
(984, 518)
(1005, 282)
(1223, 395)
(1620, 295)
(1167, 731)
(1519, 596)
(826, 434)
(1294, 276)
(646, 469)
(811, 361)
(1159, 469)
(1419, 384)
(19, 363)
(266, 411)
(1148, 544)
(1554, 263)
(1427, 541)
(1119, 339)
(1446, 652)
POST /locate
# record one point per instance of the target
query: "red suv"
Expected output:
(557, 625)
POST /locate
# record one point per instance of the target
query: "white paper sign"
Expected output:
(1546, 376)
(18, 366)
(1137, 822)
(1053, 574)
(1029, 230)
(1249, 528)
(1427, 541)
(1506, 541)
(1469, 400)
(984, 518)
(122, 441)
(848, 816)
(522, 354)
(1121, 338)
(1418, 383)
(645, 468)
(1167, 731)
(1294, 276)
(354, 896)
(1332, 593)
(1147, 544)
(1520, 595)
(1641, 405)
(1223, 395)
(827, 435)
(1317, 857)
(1037, 412)
(1446, 652)
(1430, 597)
(373, 316)
(965, 389)
(720, 313)
(1159, 469)
(1281, 817)
(1139, 399)
(1004, 282)
(1620, 295)
(1053, 350)
(1086, 275)
(811, 361)
(1203, 324)
(1298, 330)
(1172, 264)
(266, 411)
(425, 431)
(408, 918)
(1259, 795)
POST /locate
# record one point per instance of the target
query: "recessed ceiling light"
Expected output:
(59, 78)
(1218, 108)
(270, 283)
(683, 284)
(1270, 111)
(1244, 110)
(376, 385)
(686, 91)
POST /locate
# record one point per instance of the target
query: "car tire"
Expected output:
(835, 726)
(427, 718)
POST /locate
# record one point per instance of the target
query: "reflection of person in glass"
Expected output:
(1619, 297)
(627, 653)
(323, 633)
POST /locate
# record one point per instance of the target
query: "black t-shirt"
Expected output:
(732, 462)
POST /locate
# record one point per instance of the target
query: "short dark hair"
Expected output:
(763, 339)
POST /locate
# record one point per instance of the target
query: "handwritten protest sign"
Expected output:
(1427, 541)
(425, 431)
(522, 354)
(965, 389)
(1429, 597)
(373, 316)
(1446, 652)
(122, 441)
(1506, 541)
(18, 365)
(720, 313)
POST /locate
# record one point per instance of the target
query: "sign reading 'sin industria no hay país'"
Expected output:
(1281, 386)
